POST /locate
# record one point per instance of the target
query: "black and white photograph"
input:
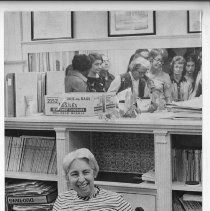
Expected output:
(103, 109)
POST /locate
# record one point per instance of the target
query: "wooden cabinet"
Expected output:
(72, 133)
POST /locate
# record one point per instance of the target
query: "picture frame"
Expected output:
(193, 21)
(48, 25)
(131, 23)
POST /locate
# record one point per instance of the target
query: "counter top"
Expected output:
(144, 123)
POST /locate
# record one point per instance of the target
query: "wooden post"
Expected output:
(163, 170)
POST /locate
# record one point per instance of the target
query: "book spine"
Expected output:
(12, 155)
(49, 171)
(27, 200)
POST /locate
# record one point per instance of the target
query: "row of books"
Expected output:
(30, 154)
(187, 165)
(33, 85)
(30, 195)
(187, 202)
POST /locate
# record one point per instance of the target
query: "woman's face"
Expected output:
(81, 177)
(96, 67)
(177, 71)
(157, 62)
(106, 64)
(190, 67)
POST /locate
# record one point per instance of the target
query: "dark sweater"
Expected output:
(126, 82)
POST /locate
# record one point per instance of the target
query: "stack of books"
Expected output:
(35, 154)
(187, 202)
(31, 195)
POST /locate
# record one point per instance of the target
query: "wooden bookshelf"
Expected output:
(70, 133)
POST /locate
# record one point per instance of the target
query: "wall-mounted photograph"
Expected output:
(131, 23)
(51, 25)
(193, 21)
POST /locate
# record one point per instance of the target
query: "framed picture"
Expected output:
(193, 21)
(131, 23)
(51, 25)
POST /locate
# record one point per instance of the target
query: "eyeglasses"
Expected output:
(105, 60)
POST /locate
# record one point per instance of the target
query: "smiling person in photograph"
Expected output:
(81, 168)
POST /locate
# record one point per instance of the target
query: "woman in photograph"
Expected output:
(159, 82)
(178, 81)
(76, 74)
(81, 167)
(197, 91)
(104, 72)
(95, 82)
(190, 75)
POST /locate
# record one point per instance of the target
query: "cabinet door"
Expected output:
(147, 202)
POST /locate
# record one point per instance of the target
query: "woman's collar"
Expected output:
(86, 198)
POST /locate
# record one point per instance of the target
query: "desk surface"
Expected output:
(144, 123)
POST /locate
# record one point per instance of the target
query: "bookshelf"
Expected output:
(73, 132)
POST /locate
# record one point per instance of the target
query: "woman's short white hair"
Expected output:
(82, 153)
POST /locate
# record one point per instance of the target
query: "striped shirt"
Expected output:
(104, 201)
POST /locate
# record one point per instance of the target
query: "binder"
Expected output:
(10, 107)
(25, 85)
(55, 82)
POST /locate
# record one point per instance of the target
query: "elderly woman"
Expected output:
(80, 167)
(95, 82)
(159, 81)
(179, 92)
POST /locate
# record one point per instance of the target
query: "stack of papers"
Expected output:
(190, 109)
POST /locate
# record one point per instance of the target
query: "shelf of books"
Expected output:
(186, 157)
(30, 154)
(131, 158)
